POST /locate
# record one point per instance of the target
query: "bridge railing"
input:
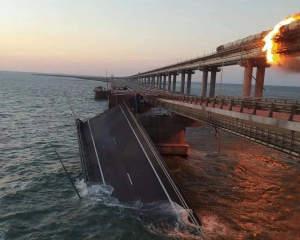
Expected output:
(287, 143)
(290, 107)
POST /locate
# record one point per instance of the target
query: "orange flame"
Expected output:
(269, 39)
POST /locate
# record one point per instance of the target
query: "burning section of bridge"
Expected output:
(270, 45)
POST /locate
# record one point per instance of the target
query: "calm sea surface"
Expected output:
(244, 192)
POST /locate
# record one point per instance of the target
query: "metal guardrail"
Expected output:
(272, 105)
(83, 162)
(286, 143)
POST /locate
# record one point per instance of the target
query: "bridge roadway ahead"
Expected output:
(116, 150)
(274, 123)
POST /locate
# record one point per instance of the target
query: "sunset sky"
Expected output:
(129, 36)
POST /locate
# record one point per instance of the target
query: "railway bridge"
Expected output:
(246, 52)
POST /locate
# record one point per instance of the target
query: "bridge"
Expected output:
(246, 52)
(272, 122)
(122, 147)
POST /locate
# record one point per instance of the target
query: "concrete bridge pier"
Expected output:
(204, 82)
(164, 82)
(159, 81)
(168, 133)
(148, 85)
(152, 81)
(189, 82)
(174, 82)
(259, 83)
(248, 72)
(169, 81)
(212, 86)
(182, 83)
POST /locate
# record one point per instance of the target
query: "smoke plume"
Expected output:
(289, 64)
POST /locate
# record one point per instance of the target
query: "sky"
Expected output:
(130, 36)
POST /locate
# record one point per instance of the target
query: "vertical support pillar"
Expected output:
(148, 85)
(212, 86)
(259, 83)
(189, 82)
(204, 82)
(174, 82)
(159, 81)
(247, 81)
(182, 83)
(169, 81)
(164, 83)
(152, 82)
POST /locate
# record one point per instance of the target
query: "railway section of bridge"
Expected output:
(246, 52)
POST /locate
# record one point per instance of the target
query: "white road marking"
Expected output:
(129, 178)
(115, 140)
(148, 159)
(167, 175)
(96, 152)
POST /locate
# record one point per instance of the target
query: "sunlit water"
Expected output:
(245, 192)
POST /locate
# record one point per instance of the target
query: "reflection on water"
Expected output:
(245, 192)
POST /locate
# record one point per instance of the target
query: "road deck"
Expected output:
(118, 151)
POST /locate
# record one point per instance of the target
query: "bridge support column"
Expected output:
(160, 81)
(204, 82)
(182, 83)
(247, 80)
(168, 133)
(169, 81)
(259, 83)
(164, 83)
(152, 82)
(212, 86)
(174, 82)
(148, 85)
(189, 82)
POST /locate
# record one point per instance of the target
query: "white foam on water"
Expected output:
(170, 222)
(158, 217)
(102, 193)
(17, 185)
(82, 188)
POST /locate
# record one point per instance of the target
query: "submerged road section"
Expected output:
(116, 150)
